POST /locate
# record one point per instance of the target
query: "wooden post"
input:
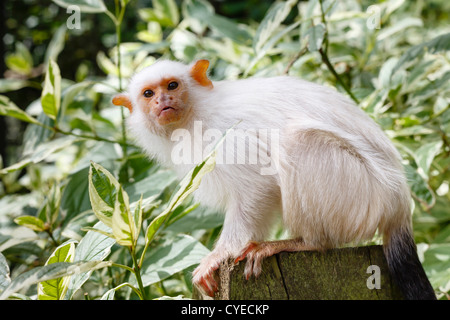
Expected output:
(339, 274)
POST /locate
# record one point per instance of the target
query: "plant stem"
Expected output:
(84, 136)
(335, 74)
(324, 21)
(118, 23)
(143, 252)
(50, 234)
(126, 284)
(294, 59)
(123, 267)
(324, 53)
(137, 273)
(120, 11)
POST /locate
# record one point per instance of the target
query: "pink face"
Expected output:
(164, 101)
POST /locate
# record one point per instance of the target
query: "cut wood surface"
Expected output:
(339, 274)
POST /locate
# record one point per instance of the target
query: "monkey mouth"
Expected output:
(165, 109)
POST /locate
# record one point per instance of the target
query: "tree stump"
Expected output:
(338, 274)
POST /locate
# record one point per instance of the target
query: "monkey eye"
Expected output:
(173, 85)
(148, 93)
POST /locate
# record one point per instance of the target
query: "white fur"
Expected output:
(339, 177)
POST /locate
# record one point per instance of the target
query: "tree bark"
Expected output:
(338, 274)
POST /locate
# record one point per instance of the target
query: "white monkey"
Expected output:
(337, 177)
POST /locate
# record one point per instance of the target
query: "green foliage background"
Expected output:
(392, 57)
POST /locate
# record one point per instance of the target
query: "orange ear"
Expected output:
(198, 73)
(122, 100)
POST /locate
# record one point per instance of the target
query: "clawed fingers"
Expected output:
(254, 253)
(203, 277)
(206, 283)
(249, 248)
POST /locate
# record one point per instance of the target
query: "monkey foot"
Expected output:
(255, 252)
(203, 275)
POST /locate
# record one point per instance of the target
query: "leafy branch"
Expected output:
(323, 50)
(120, 7)
(111, 205)
(330, 67)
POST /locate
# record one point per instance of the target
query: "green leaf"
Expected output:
(103, 189)
(167, 12)
(384, 76)
(123, 224)
(51, 93)
(52, 204)
(228, 28)
(171, 256)
(56, 289)
(443, 236)
(424, 157)
(75, 197)
(93, 247)
(43, 151)
(199, 218)
(49, 272)
(88, 6)
(420, 187)
(436, 261)
(276, 14)
(433, 88)
(153, 34)
(307, 14)
(184, 44)
(105, 233)
(440, 106)
(109, 295)
(106, 64)
(31, 222)
(21, 60)
(5, 280)
(438, 44)
(410, 131)
(269, 45)
(221, 25)
(9, 84)
(315, 36)
(181, 214)
(8, 108)
(56, 44)
(399, 26)
(138, 212)
(193, 9)
(150, 186)
(74, 227)
(36, 134)
(17, 234)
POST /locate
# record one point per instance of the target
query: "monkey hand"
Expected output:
(255, 252)
(204, 275)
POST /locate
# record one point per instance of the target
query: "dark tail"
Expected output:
(405, 267)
